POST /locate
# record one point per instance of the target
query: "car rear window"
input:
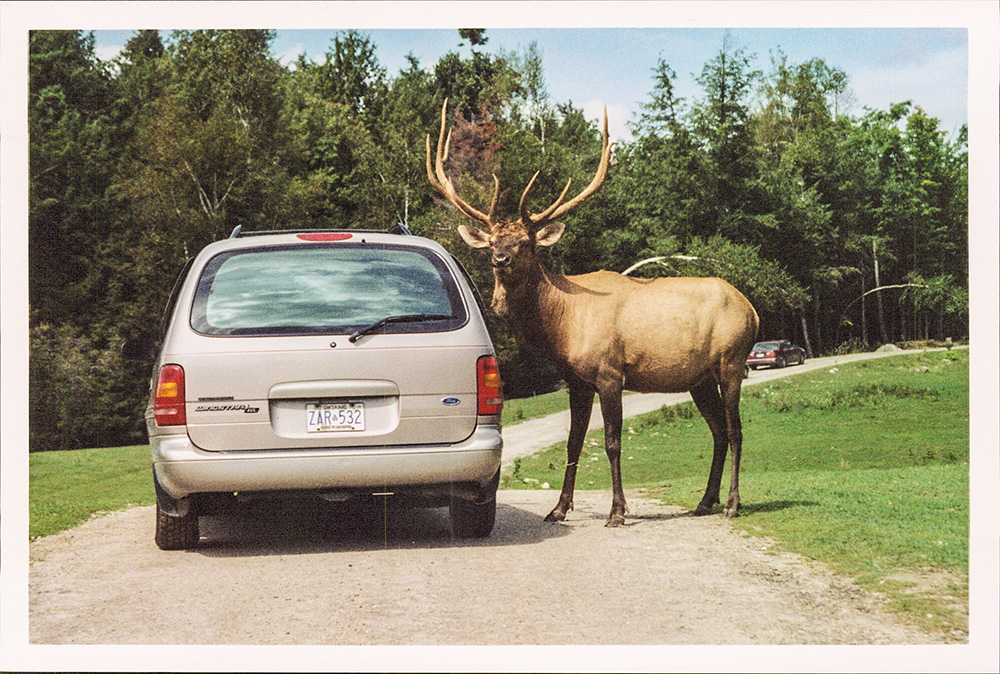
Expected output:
(324, 289)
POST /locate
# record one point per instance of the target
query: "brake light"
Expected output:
(168, 403)
(326, 236)
(489, 386)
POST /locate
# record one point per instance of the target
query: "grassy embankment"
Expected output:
(517, 410)
(864, 467)
(66, 488)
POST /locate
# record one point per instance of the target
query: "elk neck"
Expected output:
(532, 303)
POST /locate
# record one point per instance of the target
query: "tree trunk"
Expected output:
(878, 298)
(818, 323)
(864, 317)
(805, 335)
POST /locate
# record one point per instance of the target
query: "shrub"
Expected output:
(853, 345)
(80, 392)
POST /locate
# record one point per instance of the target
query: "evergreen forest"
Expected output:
(847, 229)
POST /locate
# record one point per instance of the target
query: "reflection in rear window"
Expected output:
(320, 289)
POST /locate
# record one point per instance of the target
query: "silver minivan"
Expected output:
(328, 364)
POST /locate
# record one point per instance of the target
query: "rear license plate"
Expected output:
(334, 417)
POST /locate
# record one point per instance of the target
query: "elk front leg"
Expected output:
(581, 401)
(611, 409)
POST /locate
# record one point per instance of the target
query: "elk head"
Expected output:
(513, 242)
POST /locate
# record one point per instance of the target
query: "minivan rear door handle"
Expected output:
(343, 388)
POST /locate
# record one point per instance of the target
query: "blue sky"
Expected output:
(614, 66)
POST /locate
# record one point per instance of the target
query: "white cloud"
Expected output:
(290, 55)
(107, 52)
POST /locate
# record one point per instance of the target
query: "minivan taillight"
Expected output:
(168, 403)
(489, 386)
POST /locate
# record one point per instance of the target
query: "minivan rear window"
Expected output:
(324, 289)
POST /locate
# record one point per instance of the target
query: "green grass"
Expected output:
(865, 468)
(66, 488)
(516, 410)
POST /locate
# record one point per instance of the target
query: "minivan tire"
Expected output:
(176, 532)
(470, 519)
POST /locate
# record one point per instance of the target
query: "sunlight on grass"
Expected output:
(66, 488)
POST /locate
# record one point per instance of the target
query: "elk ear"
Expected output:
(476, 238)
(550, 234)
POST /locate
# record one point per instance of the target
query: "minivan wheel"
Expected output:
(470, 519)
(176, 532)
(474, 518)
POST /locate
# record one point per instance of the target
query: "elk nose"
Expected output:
(501, 259)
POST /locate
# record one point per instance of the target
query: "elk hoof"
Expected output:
(616, 521)
(555, 516)
(703, 509)
(732, 510)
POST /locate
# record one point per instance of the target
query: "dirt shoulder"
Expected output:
(392, 576)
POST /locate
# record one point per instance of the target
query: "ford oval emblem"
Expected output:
(450, 401)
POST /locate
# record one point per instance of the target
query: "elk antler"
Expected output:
(539, 218)
(558, 209)
(441, 182)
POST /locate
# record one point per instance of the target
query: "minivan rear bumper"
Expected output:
(182, 469)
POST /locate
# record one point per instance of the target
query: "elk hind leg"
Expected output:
(731, 386)
(709, 402)
(581, 402)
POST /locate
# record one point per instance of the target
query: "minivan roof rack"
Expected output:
(398, 228)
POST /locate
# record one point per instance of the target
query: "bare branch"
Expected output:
(202, 196)
(899, 285)
(659, 260)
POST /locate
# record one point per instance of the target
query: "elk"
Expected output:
(607, 332)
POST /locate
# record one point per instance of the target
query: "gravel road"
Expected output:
(326, 576)
(382, 575)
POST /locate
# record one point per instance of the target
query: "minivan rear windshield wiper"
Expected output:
(407, 318)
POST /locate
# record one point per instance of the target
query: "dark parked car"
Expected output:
(776, 354)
